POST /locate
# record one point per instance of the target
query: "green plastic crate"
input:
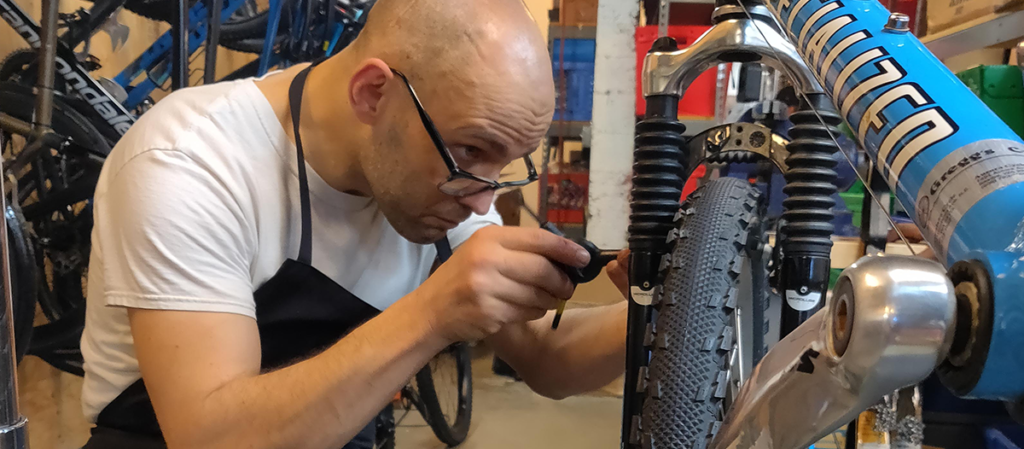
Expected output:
(1001, 87)
(854, 200)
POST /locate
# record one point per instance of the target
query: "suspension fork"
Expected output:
(659, 159)
(806, 226)
(658, 177)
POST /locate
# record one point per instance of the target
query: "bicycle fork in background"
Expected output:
(13, 433)
(891, 320)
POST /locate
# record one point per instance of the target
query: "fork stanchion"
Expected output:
(179, 46)
(212, 41)
(43, 116)
(12, 424)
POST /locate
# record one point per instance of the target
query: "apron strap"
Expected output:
(295, 104)
(444, 249)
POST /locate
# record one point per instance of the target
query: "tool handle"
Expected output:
(598, 258)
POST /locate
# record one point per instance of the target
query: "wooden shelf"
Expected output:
(557, 31)
(993, 29)
(567, 129)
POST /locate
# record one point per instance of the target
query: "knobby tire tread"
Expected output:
(694, 329)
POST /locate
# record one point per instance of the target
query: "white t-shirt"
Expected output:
(197, 206)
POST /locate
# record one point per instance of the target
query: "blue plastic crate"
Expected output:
(578, 65)
(576, 50)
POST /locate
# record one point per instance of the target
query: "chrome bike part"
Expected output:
(889, 322)
(731, 40)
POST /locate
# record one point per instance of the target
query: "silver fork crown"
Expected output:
(887, 325)
(670, 73)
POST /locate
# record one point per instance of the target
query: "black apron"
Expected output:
(299, 312)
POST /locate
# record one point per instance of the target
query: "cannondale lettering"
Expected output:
(18, 23)
(880, 80)
(99, 100)
(78, 80)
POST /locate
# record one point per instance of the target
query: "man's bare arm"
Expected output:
(202, 369)
(586, 352)
(202, 373)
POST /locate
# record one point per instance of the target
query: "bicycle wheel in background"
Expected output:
(445, 388)
(385, 426)
(55, 194)
(23, 280)
(693, 341)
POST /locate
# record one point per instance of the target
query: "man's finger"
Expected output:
(537, 271)
(543, 242)
(524, 296)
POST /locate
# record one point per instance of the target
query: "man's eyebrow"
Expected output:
(494, 141)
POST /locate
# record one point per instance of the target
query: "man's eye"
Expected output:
(470, 154)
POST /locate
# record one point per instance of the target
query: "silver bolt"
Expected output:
(803, 290)
(647, 284)
(898, 22)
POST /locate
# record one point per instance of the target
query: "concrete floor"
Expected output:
(508, 414)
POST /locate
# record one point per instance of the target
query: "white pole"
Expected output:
(611, 156)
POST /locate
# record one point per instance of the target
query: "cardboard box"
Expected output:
(577, 12)
(943, 14)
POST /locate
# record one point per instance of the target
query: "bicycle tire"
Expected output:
(252, 44)
(233, 28)
(686, 384)
(23, 281)
(450, 430)
(240, 26)
(385, 428)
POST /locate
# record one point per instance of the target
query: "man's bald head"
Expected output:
(458, 43)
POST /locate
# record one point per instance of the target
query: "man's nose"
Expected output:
(479, 203)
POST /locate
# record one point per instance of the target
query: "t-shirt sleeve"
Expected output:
(173, 236)
(475, 222)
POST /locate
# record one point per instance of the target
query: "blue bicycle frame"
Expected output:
(159, 52)
(953, 164)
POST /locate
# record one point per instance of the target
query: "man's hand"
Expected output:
(586, 352)
(499, 276)
(618, 271)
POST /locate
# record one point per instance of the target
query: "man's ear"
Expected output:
(365, 89)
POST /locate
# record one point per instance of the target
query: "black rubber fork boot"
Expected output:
(657, 183)
(658, 177)
(807, 211)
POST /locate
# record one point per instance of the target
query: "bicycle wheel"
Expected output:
(693, 340)
(385, 426)
(55, 192)
(23, 280)
(445, 388)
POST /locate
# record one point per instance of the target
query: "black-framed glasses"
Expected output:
(461, 183)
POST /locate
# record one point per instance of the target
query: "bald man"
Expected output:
(261, 251)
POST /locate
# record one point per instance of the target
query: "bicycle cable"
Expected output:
(803, 95)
